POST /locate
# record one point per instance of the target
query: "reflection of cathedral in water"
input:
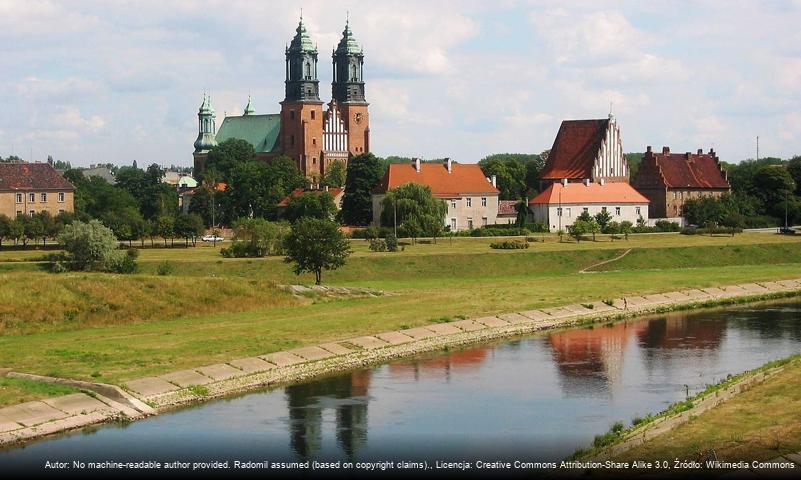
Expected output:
(346, 395)
(590, 361)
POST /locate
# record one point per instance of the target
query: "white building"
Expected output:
(471, 198)
(559, 205)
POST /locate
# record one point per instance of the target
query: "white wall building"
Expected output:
(559, 205)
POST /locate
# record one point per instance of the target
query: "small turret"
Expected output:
(207, 128)
(249, 110)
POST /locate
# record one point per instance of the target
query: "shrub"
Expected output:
(509, 245)
(122, 262)
(378, 245)
(165, 268)
(392, 243)
(93, 246)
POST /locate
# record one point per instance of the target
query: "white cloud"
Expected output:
(71, 118)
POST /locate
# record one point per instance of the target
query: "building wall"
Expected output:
(357, 123)
(610, 164)
(458, 210)
(10, 207)
(548, 213)
(302, 135)
(674, 199)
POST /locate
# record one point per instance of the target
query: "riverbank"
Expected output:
(175, 389)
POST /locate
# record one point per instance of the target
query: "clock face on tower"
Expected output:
(357, 117)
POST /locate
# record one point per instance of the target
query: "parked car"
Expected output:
(212, 238)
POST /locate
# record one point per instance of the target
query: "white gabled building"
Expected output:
(559, 205)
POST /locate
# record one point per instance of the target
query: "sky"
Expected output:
(116, 81)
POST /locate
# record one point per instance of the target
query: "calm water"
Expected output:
(540, 397)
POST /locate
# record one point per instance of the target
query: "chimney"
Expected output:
(648, 149)
(602, 181)
(564, 182)
(494, 180)
(417, 164)
(665, 150)
(586, 182)
(448, 164)
(700, 151)
(712, 151)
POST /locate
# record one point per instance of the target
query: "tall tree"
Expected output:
(311, 204)
(412, 204)
(335, 175)
(364, 174)
(225, 156)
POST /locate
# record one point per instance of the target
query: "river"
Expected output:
(538, 397)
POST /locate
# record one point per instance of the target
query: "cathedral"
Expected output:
(314, 138)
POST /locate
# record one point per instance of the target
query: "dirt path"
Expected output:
(589, 269)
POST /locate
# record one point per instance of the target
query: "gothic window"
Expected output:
(308, 71)
(353, 75)
(312, 114)
(291, 114)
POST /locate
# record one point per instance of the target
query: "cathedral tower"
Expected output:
(348, 91)
(301, 110)
(207, 131)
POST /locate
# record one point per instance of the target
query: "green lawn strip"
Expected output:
(120, 352)
(17, 390)
(760, 423)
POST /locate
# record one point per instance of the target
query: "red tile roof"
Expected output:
(691, 170)
(300, 191)
(507, 207)
(574, 150)
(32, 176)
(463, 179)
(578, 193)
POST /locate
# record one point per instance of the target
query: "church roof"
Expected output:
(579, 193)
(348, 44)
(575, 149)
(261, 131)
(302, 42)
(463, 179)
(32, 176)
(690, 170)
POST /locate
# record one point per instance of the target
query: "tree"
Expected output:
(5, 228)
(16, 229)
(521, 207)
(363, 175)
(314, 245)
(510, 172)
(311, 204)
(580, 227)
(794, 169)
(335, 174)
(603, 218)
(775, 185)
(189, 226)
(593, 228)
(165, 226)
(415, 210)
(33, 228)
(256, 237)
(127, 224)
(88, 246)
(626, 228)
(225, 156)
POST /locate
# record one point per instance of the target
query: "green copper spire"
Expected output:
(348, 43)
(205, 107)
(302, 42)
(207, 128)
(249, 110)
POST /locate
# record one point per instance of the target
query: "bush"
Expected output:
(93, 246)
(256, 238)
(509, 245)
(494, 231)
(378, 245)
(122, 262)
(666, 226)
(392, 243)
(165, 268)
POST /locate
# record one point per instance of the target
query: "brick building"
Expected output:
(29, 188)
(670, 179)
(586, 150)
(472, 198)
(304, 130)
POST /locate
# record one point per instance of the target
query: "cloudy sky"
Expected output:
(114, 81)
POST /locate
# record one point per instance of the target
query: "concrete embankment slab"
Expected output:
(535, 314)
(468, 325)
(7, 426)
(149, 386)
(220, 371)
(368, 342)
(753, 288)
(558, 312)
(282, 359)
(492, 321)
(395, 338)
(657, 299)
(311, 353)
(419, 333)
(252, 364)
(441, 329)
(186, 378)
(335, 348)
(514, 318)
(77, 404)
(31, 413)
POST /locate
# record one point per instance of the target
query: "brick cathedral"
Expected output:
(314, 138)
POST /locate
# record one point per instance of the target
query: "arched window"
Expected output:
(353, 74)
(308, 71)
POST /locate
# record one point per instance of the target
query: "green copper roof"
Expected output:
(249, 110)
(205, 107)
(261, 131)
(302, 42)
(348, 43)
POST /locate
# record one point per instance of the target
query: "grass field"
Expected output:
(759, 424)
(113, 328)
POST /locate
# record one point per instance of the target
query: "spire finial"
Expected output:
(347, 17)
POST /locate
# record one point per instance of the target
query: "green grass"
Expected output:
(213, 310)
(17, 390)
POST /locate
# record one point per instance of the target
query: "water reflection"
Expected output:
(346, 395)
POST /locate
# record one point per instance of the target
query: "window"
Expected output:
(567, 212)
(61, 197)
(314, 141)
(291, 139)
(469, 223)
(453, 203)
(453, 224)
(60, 211)
(31, 213)
(483, 201)
(469, 202)
(558, 211)
(314, 161)
(675, 195)
(291, 114)
(19, 213)
(585, 210)
(312, 114)
(19, 198)
(617, 211)
(43, 197)
(483, 221)
(31, 197)
(637, 210)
